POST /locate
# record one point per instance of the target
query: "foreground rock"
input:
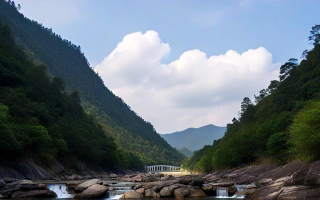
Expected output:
(94, 191)
(132, 195)
(87, 184)
(24, 189)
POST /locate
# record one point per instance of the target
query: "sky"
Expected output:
(181, 64)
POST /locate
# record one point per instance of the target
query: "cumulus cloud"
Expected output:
(193, 90)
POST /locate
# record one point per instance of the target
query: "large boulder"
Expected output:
(300, 192)
(140, 190)
(150, 194)
(185, 180)
(34, 194)
(168, 191)
(313, 176)
(196, 193)
(11, 190)
(267, 192)
(132, 195)
(298, 177)
(198, 182)
(181, 192)
(87, 184)
(94, 191)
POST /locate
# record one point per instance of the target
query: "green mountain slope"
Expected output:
(66, 60)
(283, 125)
(194, 138)
(41, 123)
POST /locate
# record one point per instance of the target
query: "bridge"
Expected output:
(162, 168)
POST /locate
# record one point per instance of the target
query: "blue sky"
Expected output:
(212, 28)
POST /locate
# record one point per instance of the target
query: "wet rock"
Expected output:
(34, 194)
(94, 191)
(140, 190)
(267, 192)
(132, 195)
(313, 176)
(150, 193)
(181, 192)
(300, 192)
(196, 193)
(87, 184)
(198, 182)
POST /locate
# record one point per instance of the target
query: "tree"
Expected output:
(262, 94)
(18, 6)
(273, 85)
(286, 69)
(245, 104)
(315, 35)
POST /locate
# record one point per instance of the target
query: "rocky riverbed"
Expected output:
(296, 180)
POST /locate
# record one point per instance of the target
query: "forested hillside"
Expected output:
(40, 122)
(283, 123)
(66, 60)
(195, 138)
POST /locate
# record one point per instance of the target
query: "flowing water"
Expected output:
(117, 189)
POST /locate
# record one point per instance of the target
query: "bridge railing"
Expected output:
(162, 168)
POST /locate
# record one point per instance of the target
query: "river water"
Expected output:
(116, 190)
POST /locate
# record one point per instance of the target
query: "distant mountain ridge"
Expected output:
(194, 138)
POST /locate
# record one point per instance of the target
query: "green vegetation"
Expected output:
(185, 151)
(283, 125)
(65, 60)
(42, 122)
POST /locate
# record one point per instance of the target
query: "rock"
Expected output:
(168, 191)
(10, 180)
(222, 184)
(140, 190)
(232, 190)
(150, 193)
(158, 184)
(113, 176)
(94, 191)
(159, 175)
(87, 184)
(42, 186)
(181, 192)
(1, 197)
(151, 179)
(137, 186)
(185, 180)
(165, 178)
(26, 182)
(132, 195)
(263, 182)
(2, 183)
(300, 192)
(198, 182)
(31, 186)
(267, 192)
(206, 187)
(11, 190)
(244, 193)
(196, 193)
(34, 194)
(313, 176)
(127, 180)
(298, 177)
(73, 183)
(282, 171)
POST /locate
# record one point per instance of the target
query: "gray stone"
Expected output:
(150, 193)
(267, 192)
(168, 191)
(151, 179)
(94, 191)
(313, 176)
(185, 180)
(300, 192)
(34, 194)
(132, 195)
(87, 184)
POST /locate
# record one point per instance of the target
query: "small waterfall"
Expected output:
(222, 192)
(60, 190)
(116, 191)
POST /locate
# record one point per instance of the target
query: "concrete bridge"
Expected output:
(162, 168)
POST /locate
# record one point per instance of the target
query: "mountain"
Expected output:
(280, 126)
(194, 138)
(65, 60)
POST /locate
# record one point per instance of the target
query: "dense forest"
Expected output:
(40, 121)
(283, 123)
(63, 59)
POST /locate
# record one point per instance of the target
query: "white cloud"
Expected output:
(191, 91)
